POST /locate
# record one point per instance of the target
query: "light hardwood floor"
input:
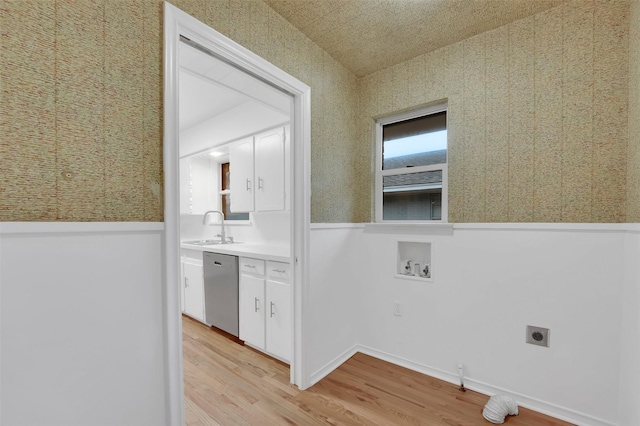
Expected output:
(229, 384)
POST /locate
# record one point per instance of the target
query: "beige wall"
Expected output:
(538, 112)
(537, 115)
(633, 171)
(82, 103)
(81, 136)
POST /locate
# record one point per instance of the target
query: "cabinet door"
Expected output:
(252, 310)
(278, 339)
(193, 289)
(270, 190)
(241, 176)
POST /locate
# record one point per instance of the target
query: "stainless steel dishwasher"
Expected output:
(221, 291)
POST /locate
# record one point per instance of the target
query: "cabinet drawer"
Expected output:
(194, 255)
(252, 266)
(279, 270)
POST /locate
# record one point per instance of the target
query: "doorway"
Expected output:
(181, 26)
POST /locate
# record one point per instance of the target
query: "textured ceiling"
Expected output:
(369, 35)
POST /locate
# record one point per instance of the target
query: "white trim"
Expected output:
(535, 404)
(173, 19)
(571, 227)
(540, 406)
(415, 169)
(413, 228)
(440, 228)
(179, 23)
(317, 226)
(410, 188)
(377, 169)
(379, 173)
(9, 228)
(333, 364)
(408, 115)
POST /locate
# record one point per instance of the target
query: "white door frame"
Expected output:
(177, 23)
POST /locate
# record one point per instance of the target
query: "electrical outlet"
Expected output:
(397, 308)
(537, 336)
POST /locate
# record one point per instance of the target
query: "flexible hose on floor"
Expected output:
(498, 407)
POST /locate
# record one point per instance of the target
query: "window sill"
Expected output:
(409, 228)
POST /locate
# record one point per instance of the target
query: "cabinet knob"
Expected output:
(186, 282)
(249, 266)
(255, 304)
(271, 309)
(260, 185)
(248, 185)
(281, 271)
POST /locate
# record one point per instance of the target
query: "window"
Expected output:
(225, 194)
(411, 172)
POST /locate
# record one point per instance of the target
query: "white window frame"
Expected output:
(392, 172)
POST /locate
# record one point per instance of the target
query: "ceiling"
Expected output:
(209, 87)
(219, 103)
(369, 35)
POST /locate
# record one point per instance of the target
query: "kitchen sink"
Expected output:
(208, 242)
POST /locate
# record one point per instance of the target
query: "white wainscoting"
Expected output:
(82, 324)
(490, 281)
(629, 394)
(334, 301)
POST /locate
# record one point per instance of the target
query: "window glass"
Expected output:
(412, 196)
(412, 205)
(420, 141)
(226, 198)
(411, 180)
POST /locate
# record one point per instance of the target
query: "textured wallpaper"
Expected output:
(81, 101)
(538, 117)
(538, 112)
(633, 168)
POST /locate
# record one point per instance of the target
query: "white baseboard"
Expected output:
(333, 364)
(540, 406)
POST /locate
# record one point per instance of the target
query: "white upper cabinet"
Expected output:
(258, 172)
(241, 157)
(269, 165)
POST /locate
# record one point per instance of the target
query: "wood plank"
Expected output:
(227, 383)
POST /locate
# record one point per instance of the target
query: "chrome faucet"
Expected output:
(222, 233)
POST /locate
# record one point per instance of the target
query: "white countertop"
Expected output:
(260, 251)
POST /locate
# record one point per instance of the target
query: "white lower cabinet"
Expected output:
(265, 306)
(252, 310)
(192, 285)
(278, 327)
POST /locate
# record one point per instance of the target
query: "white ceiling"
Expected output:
(369, 35)
(200, 100)
(219, 103)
